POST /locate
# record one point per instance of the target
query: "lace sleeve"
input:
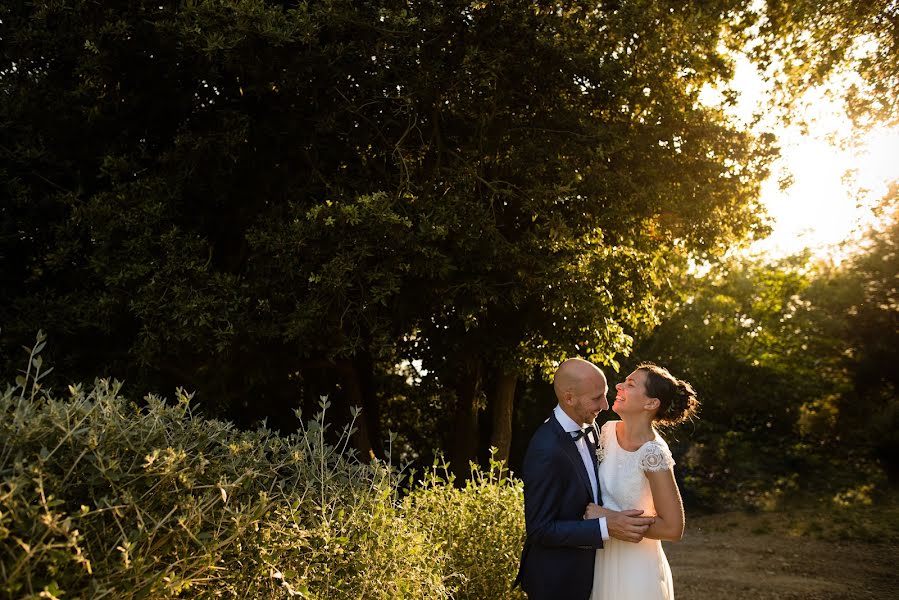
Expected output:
(655, 457)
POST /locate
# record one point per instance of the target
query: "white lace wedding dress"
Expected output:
(624, 570)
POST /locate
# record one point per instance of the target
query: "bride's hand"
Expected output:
(594, 511)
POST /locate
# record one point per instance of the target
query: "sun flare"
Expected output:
(831, 191)
(829, 176)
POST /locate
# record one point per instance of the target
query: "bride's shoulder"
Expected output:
(608, 426)
(658, 438)
(606, 432)
(654, 455)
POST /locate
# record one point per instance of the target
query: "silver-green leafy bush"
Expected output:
(103, 498)
(478, 527)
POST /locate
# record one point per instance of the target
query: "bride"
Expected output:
(637, 472)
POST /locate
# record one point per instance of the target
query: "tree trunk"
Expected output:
(371, 413)
(357, 381)
(354, 397)
(465, 441)
(503, 403)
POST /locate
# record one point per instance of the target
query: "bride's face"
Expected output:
(630, 394)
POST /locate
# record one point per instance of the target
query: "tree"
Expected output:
(793, 362)
(567, 132)
(768, 372)
(149, 146)
(804, 43)
(743, 336)
(262, 201)
(859, 301)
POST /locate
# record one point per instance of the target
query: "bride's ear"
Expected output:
(652, 404)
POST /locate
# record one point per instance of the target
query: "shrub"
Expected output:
(480, 528)
(103, 498)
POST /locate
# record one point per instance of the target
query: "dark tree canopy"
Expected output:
(269, 201)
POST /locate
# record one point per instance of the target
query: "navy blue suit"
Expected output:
(560, 548)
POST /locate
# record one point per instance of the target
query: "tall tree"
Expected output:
(576, 136)
(793, 361)
(804, 43)
(260, 199)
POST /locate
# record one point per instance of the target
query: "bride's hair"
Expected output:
(677, 398)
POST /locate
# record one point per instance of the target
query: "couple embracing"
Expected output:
(597, 502)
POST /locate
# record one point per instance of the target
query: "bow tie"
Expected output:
(586, 432)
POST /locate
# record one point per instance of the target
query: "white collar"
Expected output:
(567, 423)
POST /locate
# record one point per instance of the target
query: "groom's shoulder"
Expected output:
(544, 444)
(546, 429)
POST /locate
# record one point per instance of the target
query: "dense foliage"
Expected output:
(848, 46)
(266, 201)
(859, 303)
(795, 363)
(101, 498)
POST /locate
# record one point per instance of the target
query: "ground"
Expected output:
(785, 557)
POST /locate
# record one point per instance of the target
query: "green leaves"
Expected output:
(234, 195)
(812, 43)
(218, 511)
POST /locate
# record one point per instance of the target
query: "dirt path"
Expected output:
(736, 556)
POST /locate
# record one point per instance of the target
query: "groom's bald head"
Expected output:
(573, 374)
(580, 388)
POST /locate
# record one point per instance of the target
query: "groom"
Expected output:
(559, 473)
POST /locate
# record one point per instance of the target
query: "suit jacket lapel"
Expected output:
(570, 449)
(595, 460)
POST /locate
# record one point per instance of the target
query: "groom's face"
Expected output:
(589, 398)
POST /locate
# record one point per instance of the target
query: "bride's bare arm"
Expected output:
(669, 522)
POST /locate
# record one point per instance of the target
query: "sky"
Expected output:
(836, 175)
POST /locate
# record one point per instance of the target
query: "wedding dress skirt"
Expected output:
(624, 570)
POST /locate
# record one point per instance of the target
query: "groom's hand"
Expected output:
(625, 525)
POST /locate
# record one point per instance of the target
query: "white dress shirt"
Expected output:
(570, 426)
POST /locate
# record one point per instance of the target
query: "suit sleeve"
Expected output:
(544, 473)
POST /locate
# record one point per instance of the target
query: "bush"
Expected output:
(480, 528)
(100, 497)
(725, 470)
